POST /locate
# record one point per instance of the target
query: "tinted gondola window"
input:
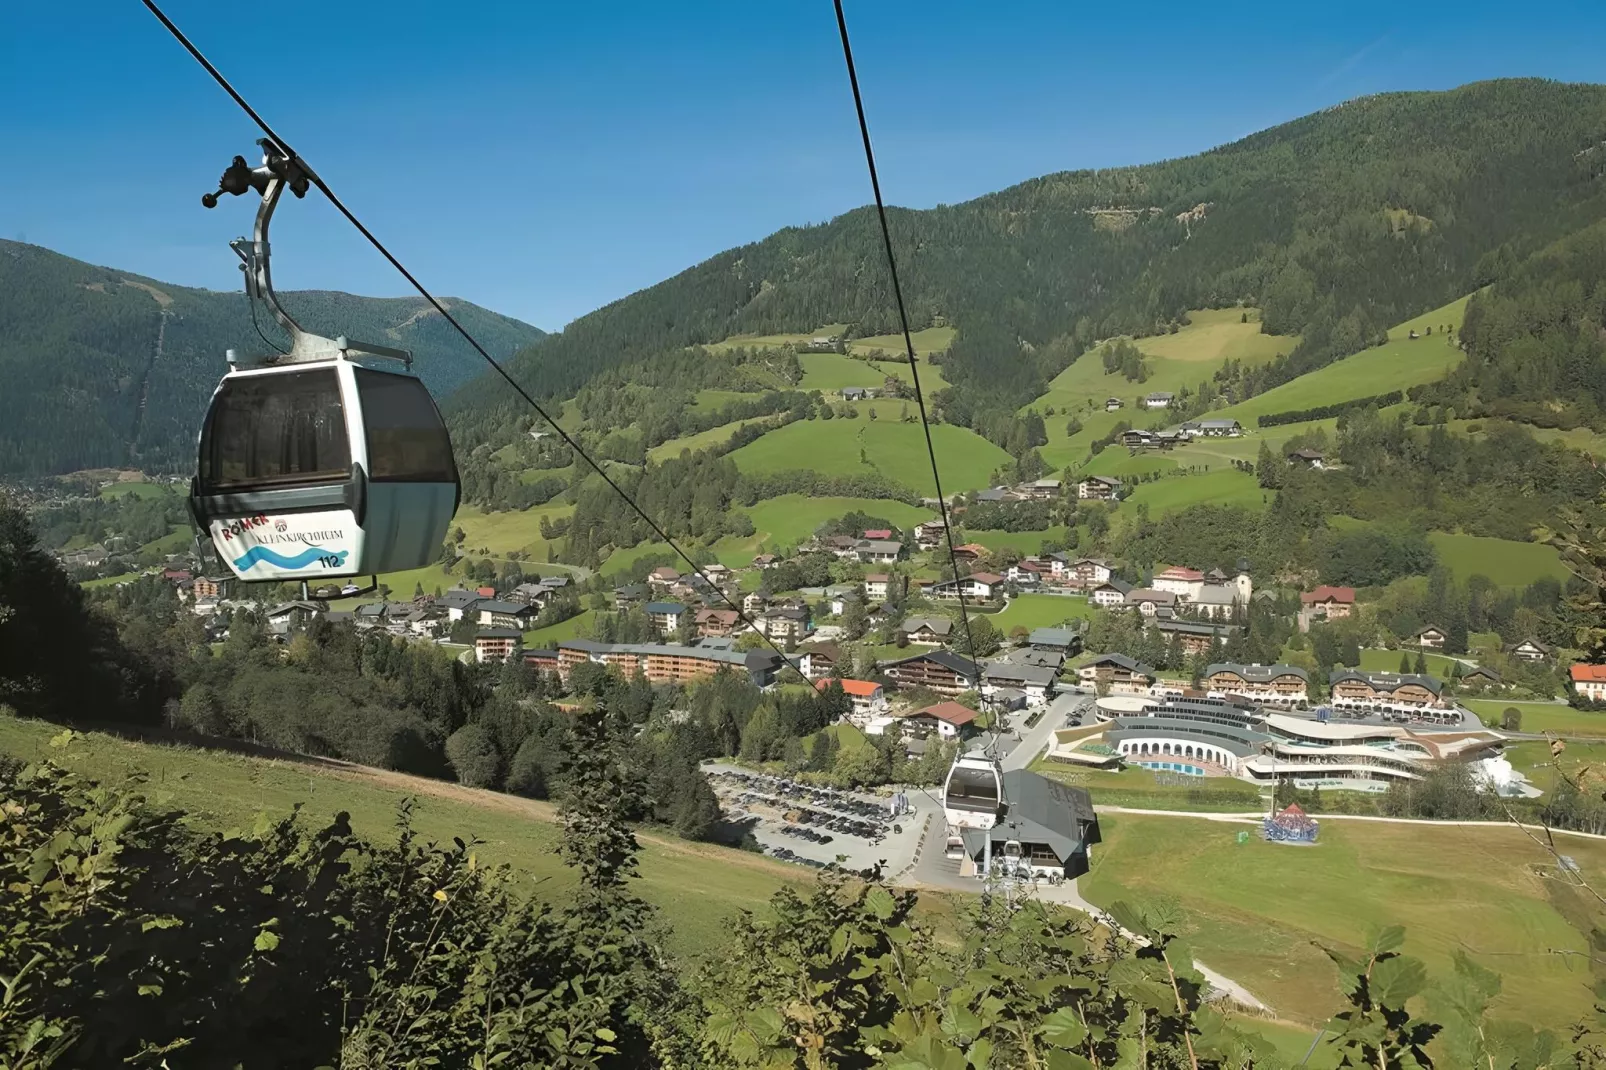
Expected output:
(407, 440)
(273, 430)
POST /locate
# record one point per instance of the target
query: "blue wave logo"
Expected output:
(258, 554)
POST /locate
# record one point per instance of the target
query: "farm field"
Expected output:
(138, 489)
(830, 372)
(1118, 462)
(110, 581)
(895, 450)
(698, 887)
(1221, 486)
(1542, 716)
(503, 533)
(1258, 911)
(1216, 335)
(1510, 564)
(1374, 660)
(1399, 363)
(621, 560)
(180, 537)
(930, 340)
(1041, 611)
(792, 518)
(714, 436)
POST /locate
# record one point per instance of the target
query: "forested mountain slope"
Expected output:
(100, 367)
(1336, 224)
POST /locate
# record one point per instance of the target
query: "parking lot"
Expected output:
(815, 826)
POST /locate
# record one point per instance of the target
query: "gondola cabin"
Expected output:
(972, 797)
(313, 465)
(324, 469)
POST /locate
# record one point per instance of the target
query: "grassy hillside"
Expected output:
(106, 368)
(714, 436)
(1400, 363)
(1260, 912)
(895, 450)
(1511, 564)
(698, 887)
(792, 518)
(1041, 611)
(1184, 359)
(1223, 486)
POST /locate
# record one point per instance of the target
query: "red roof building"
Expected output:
(485, 592)
(1177, 572)
(878, 533)
(1325, 595)
(948, 719)
(1590, 681)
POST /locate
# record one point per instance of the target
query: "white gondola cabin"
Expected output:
(312, 465)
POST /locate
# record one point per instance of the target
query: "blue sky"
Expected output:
(544, 159)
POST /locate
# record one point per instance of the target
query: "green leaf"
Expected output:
(1389, 938)
(606, 1035)
(980, 1053)
(1396, 980)
(1063, 1029)
(880, 902)
(1129, 918)
(267, 940)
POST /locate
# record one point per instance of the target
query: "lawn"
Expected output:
(699, 887)
(1261, 912)
(1221, 486)
(1542, 716)
(1375, 660)
(1399, 363)
(1142, 788)
(547, 638)
(866, 447)
(1122, 463)
(1510, 564)
(1041, 611)
(714, 436)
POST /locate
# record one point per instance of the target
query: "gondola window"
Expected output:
(276, 429)
(407, 443)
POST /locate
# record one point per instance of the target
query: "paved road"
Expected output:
(1035, 739)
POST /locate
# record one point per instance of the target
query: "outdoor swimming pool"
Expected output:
(1173, 767)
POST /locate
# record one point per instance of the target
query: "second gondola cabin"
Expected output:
(324, 469)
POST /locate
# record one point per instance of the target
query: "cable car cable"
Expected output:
(908, 339)
(323, 187)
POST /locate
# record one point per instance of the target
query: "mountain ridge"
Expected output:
(109, 368)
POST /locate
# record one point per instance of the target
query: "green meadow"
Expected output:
(702, 440)
(1512, 564)
(1373, 660)
(885, 446)
(1221, 486)
(1041, 611)
(1261, 912)
(793, 518)
(1399, 363)
(1541, 716)
(699, 887)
